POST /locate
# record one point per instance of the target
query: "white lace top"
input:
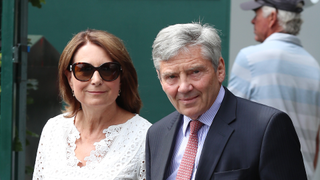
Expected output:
(121, 155)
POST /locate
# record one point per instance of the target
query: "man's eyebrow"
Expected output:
(196, 67)
(200, 66)
(167, 73)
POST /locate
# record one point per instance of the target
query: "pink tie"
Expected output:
(187, 162)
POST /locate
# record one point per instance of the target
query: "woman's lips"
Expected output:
(96, 92)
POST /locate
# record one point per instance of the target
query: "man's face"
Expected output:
(190, 81)
(261, 26)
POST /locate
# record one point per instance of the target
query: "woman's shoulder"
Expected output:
(137, 119)
(58, 121)
(135, 125)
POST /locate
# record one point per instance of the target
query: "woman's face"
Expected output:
(96, 92)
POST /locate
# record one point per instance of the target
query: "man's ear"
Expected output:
(273, 19)
(158, 73)
(221, 70)
(68, 75)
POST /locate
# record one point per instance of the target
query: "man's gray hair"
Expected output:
(176, 38)
(289, 21)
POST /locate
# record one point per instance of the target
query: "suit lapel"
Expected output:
(168, 144)
(217, 137)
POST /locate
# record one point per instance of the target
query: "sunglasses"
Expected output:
(109, 71)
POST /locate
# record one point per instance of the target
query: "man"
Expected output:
(213, 134)
(279, 72)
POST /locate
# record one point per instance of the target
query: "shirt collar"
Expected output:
(284, 37)
(208, 116)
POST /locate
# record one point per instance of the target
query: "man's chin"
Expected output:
(191, 113)
(258, 39)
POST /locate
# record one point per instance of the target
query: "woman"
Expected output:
(100, 135)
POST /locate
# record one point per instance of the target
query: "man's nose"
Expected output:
(185, 85)
(253, 20)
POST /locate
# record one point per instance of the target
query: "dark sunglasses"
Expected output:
(109, 71)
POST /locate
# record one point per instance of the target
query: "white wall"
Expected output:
(241, 32)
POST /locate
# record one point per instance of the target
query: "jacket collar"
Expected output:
(217, 137)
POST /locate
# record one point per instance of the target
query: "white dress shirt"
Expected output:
(183, 136)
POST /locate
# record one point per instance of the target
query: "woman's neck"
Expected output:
(94, 120)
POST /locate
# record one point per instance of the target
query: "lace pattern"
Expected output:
(71, 147)
(119, 156)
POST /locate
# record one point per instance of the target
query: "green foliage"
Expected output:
(37, 3)
(29, 170)
(32, 134)
(29, 99)
(17, 145)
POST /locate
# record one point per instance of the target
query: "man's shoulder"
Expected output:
(254, 48)
(273, 42)
(166, 122)
(245, 106)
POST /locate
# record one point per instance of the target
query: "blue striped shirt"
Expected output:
(183, 136)
(282, 74)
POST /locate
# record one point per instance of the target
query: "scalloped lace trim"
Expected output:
(101, 148)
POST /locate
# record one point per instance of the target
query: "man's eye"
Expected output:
(171, 77)
(196, 72)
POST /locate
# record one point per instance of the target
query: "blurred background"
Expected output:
(35, 32)
(241, 29)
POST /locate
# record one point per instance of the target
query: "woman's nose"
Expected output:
(96, 78)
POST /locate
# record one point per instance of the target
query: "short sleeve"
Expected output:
(142, 168)
(41, 157)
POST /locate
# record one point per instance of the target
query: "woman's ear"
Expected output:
(68, 75)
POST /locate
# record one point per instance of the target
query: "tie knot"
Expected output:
(195, 125)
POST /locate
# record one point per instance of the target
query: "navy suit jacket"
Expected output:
(246, 141)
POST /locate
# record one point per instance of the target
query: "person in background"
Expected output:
(100, 135)
(213, 134)
(317, 169)
(279, 72)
